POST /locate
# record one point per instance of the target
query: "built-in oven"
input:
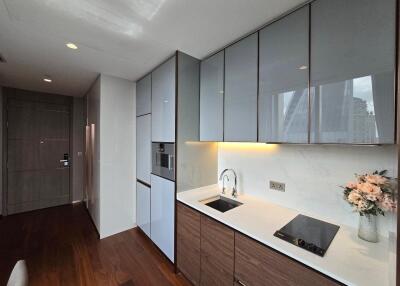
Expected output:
(163, 160)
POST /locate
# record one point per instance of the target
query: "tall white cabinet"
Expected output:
(163, 214)
(143, 153)
(143, 97)
(172, 89)
(163, 102)
(143, 207)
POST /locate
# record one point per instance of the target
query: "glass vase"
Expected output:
(367, 228)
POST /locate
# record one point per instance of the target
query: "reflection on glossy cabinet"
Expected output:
(257, 265)
(352, 71)
(143, 96)
(188, 243)
(240, 114)
(143, 148)
(283, 80)
(163, 102)
(212, 98)
(217, 253)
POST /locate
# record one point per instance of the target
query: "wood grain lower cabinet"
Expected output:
(217, 253)
(257, 265)
(188, 243)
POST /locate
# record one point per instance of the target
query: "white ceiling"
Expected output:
(123, 38)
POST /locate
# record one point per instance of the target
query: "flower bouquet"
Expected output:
(371, 195)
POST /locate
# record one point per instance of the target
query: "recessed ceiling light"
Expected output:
(71, 46)
(303, 67)
(47, 79)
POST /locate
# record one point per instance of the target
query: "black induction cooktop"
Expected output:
(308, 233)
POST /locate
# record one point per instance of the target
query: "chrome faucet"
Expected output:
(223, 183)
(221, 177)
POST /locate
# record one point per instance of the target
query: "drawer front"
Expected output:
(188, 243)
(257, 265)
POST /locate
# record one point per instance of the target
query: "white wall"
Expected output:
(93, 119)
(312, 174)
(118, 155)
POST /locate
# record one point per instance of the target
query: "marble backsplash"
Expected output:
(313, 175)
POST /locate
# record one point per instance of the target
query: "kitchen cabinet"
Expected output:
(283, 79)
(240, 103)
(143, 148)
(352, 71)
(143, 96)
(214, 254)
(162, 214)
(163, 102)
(212, 98)
(217, 253)
(257, 265)
(188, 243)
(143, 207)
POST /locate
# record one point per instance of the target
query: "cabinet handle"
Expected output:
(240, 282)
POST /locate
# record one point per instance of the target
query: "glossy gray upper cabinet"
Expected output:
(143, 96)
(212, 98)
(163, 102)
(240, 114)
(283, 79)
(352, 71)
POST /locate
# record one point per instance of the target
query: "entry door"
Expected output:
(38, 140)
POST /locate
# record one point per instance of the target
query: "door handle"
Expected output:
(170, 162)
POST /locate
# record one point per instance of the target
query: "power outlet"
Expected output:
(277, 186)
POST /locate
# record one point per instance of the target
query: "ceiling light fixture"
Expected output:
(47, 79)
(303, 67)
(71, 46)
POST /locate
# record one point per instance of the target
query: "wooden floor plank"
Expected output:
(61, 247)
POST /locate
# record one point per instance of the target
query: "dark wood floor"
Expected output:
(61, 247)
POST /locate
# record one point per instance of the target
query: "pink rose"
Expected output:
(376, 179)
(354, 197)
(371, 191)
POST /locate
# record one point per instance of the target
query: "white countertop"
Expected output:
(349, 259)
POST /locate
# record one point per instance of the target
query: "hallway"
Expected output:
(61, 247)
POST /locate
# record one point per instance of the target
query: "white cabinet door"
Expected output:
(163, 214)
(240, 113)
(163, 102)
(212, 98)
(353, 47)
(283, 80)
(143, 96)
(143, 148)
(143, 207)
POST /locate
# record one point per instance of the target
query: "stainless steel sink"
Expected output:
(221, 203)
